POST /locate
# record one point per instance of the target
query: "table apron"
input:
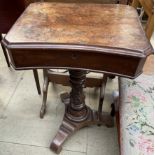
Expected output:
(124, 65)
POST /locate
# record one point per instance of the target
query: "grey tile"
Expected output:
(102, 140)
(9, 80)
(103, 150)
(26, 103)
(26, 131)
(17, 149)
(78, 141)
(22, 117)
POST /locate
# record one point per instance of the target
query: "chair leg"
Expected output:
(5, 52)
(115, 104)
(102, 93)
(36, 77)
(45, 89)
(45, 73)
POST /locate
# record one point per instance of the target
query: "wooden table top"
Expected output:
(108, 29)
(114, 26)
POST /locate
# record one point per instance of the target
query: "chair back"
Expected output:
(148, 6)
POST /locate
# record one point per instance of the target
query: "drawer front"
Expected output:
(111, 63)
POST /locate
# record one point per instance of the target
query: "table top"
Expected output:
(103, 28)
(114, 26)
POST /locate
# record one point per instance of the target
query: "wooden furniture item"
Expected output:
(148, 7)
(81, 38)
(9, 12)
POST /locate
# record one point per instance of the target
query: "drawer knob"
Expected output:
(74, 56)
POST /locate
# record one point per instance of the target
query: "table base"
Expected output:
(69, 127)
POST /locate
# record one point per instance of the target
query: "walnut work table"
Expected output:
(81, 38)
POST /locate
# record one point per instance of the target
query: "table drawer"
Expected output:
(97, 61)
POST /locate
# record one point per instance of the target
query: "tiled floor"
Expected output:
(22, 132)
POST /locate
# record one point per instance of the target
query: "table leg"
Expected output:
(77, 114)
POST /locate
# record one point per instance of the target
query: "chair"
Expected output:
(134, 115)
(149, 10)
(121, 97)
(9, 12)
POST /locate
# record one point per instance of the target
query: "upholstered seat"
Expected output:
(136, 112)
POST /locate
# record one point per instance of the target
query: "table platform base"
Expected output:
(69, 127)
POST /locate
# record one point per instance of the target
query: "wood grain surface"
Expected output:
(115, 26)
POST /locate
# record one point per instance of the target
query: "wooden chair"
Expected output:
(9, 12)
(149, 10)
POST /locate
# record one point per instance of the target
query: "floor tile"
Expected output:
(102, 140)
(103, 150)
(31, 132)
(17, 149)
(9, 80)
(25, 102)
(78, 141)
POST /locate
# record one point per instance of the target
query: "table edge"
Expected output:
(74, 47)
